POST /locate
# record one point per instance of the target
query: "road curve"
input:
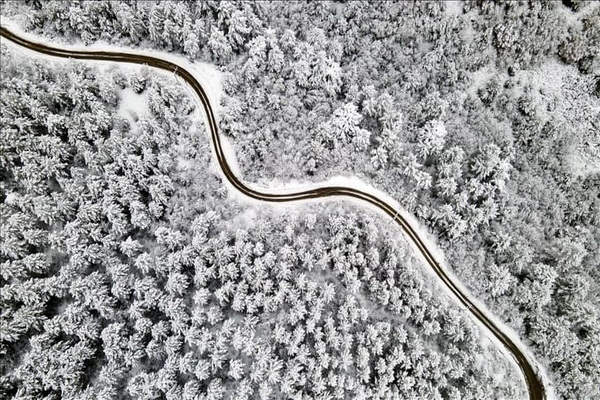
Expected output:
(534, 383)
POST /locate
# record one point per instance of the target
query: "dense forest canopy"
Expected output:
(127, 273)
(481, 118)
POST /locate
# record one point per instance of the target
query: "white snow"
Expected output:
(11, 198)
(454, 7)
(585, 160)
(428, 238)
(132, 105)
(555, 80)
(210, 78)
(230, 155)
(479, 78)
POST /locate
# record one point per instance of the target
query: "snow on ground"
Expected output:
(569, 94)
(231, 156)
(132, 105)
(574, 108)
(586, 160)
(210, 78)
(454, 7)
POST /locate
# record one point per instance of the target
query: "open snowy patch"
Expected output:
(132, 105)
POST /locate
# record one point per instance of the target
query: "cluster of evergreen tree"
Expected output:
(216, 30)
(126, 273)
(474, 119)
(474, 115)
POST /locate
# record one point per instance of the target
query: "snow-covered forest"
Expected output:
(127, 272)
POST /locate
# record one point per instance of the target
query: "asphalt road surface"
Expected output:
(534, 383)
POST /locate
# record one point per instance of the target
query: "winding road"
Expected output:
(534, 382)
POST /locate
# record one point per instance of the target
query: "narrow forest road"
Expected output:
(534, 383)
